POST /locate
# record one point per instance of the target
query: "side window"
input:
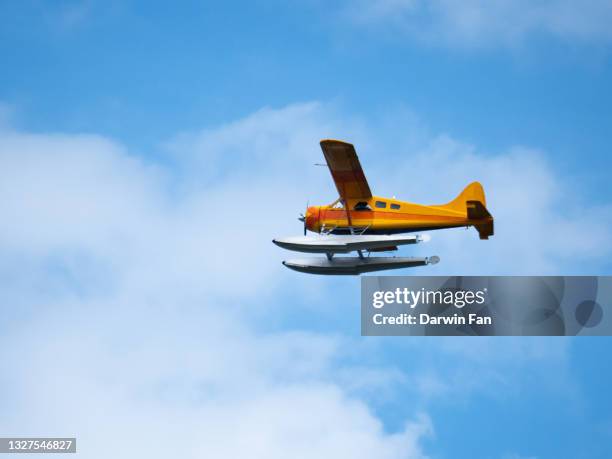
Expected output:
(395, 206)
(381, 204)
(362, 205)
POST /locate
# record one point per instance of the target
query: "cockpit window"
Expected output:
(338, 205)
(395, 206)
(381, 204)
(362, 205)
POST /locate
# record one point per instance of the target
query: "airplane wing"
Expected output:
(345, 170)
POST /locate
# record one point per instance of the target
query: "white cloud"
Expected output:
(119, 284)
(482, 23)
(175, 380)
(129, 288)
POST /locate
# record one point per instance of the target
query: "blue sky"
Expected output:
(130, 134)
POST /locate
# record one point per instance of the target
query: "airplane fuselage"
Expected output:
(379, 215)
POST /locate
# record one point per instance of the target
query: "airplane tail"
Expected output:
(472, 201)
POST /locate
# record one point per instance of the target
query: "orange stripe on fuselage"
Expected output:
(417, 216)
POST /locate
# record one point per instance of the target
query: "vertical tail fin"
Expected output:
(472, 192)
(472, 201)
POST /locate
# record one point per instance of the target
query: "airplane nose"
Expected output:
(312, 216)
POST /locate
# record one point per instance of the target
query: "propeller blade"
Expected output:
(302, 218)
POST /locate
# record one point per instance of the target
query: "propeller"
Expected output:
(302, 218)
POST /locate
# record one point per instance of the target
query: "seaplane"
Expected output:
(363, 223)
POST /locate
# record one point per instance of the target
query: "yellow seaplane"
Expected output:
(360, 222)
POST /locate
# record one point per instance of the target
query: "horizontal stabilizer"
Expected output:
(355, 265)
(346, 243)
(476, 210)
